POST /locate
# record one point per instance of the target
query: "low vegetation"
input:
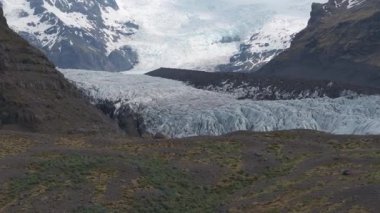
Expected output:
(242, 172)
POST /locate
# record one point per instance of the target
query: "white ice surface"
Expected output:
(186, 33)
(178, 110)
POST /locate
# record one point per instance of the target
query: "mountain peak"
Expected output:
(272, 39)
(75, 34)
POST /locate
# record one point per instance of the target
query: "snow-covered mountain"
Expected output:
(144, 35)
(271, 39)
(88, 34)
(177, 110)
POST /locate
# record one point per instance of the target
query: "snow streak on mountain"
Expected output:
(177, 110)
(146, 34)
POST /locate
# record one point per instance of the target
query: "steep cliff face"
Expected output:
(34, 96)
(341, 43)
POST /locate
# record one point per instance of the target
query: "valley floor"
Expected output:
(297, 171)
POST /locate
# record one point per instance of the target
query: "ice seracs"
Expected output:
(177, 110)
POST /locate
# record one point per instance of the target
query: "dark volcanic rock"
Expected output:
(341, 43)
(128, 120)
(34, 96)
(124, 58)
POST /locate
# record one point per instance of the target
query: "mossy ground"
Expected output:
(292, 171)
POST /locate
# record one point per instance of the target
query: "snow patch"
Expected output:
(348, 3)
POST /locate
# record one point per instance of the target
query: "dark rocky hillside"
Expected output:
(341, 43)
(34, 96)
(251, 86)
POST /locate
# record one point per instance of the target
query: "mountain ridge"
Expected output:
(340, 43)
(118, 36)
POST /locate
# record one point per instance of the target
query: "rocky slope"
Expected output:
(34, 96)
(76, 34)
(341, 43)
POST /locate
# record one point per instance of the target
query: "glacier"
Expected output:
(177, 110)
(187, 33)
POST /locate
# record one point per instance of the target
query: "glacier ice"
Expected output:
(177, 110)
(185, 33)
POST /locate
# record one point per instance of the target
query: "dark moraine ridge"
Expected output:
(267, 88)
